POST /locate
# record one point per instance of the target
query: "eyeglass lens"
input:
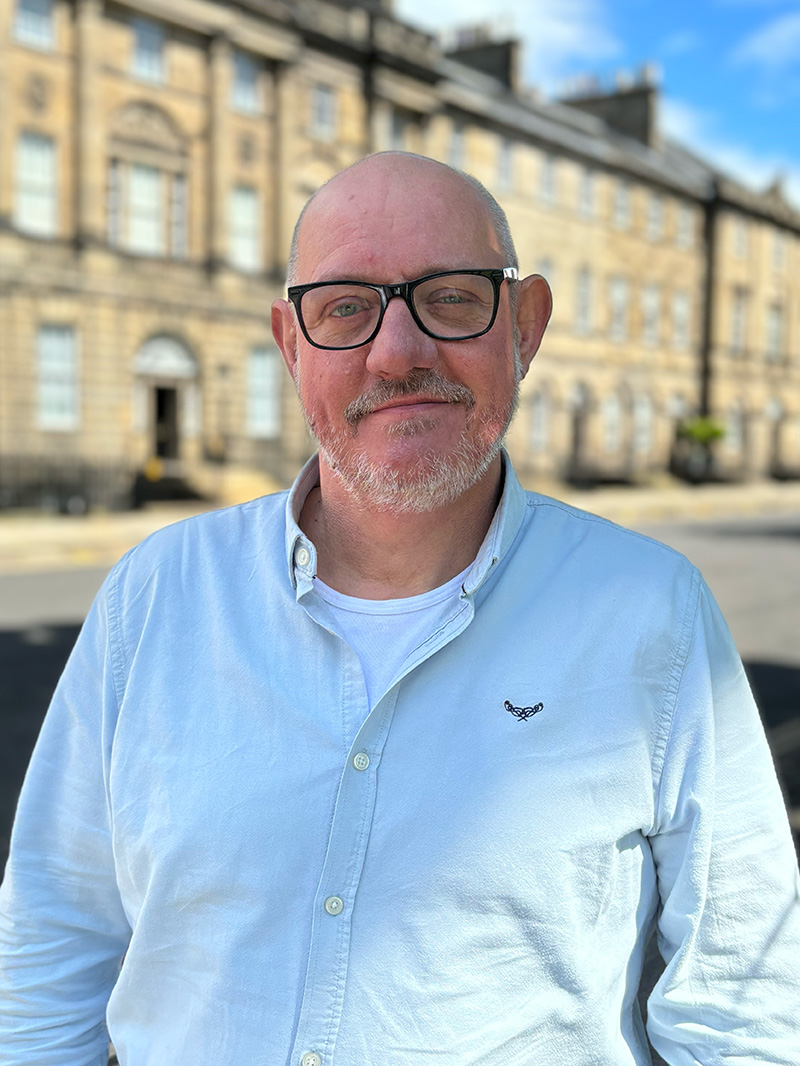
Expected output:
(344, 316)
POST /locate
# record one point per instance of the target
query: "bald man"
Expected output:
(405, 765)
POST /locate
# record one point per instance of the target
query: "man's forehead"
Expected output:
(413, 210)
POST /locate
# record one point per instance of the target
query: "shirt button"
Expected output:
(334, 905)
(303, 558)
(311, 1058)
(361, 761)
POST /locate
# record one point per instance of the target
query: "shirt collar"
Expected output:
(301, 555)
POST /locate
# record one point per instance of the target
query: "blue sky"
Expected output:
(730, 69)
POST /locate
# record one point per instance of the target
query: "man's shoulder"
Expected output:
(597, 542)
(222, 539)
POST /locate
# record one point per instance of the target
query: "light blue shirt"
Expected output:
(465, 874)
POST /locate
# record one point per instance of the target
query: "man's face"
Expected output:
(405, 422)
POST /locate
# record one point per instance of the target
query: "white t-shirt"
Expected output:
(383, 633)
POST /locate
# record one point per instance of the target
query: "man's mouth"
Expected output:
(420, 388)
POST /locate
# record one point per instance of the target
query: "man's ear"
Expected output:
(534, 307)
(284, 330)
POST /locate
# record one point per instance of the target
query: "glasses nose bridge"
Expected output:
(403, 290)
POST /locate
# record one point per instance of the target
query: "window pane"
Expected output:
(244, 241)
(680, 321)
(457, 147)
(244, 93)
(145, 211)
(586, 193)
(323, 112)
(583, 301)
(651, 299)
(35, 200)
(264, 393)
(655, 216)
(540, 422)
(622, 204)
(618, 296)
(34, 23)
(57, 378)
(148, 49)
(548, 189)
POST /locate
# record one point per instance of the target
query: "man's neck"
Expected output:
(380, 555)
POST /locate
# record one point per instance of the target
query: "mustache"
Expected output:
(428, 383)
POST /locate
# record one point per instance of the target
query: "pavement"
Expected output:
(35, 541)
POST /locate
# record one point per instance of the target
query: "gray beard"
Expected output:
(436, 479)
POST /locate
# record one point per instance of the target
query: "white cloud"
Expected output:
(696, 129)
(555, 36)
(773, 46)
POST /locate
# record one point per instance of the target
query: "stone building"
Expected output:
(154, 157)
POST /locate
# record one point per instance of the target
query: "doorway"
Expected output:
(165, 423)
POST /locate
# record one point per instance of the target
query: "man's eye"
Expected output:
(346, 310)
(449, 296)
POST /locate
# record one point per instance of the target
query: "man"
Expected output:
(403, 767)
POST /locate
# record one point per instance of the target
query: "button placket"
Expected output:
(323, 995)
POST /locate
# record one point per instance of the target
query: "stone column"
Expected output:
(90, 133)
(219, 74)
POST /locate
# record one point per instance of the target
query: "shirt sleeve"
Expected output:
(63, 931)
(729, 922)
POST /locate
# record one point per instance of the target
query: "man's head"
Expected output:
(408, 421)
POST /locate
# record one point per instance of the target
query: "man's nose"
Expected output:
(400, 345)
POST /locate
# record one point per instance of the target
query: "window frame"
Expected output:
(68, 420)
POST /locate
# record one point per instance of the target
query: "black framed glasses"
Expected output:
(453, 305)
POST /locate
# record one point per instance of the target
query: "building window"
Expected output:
(684, 233)
(547, 268)
(583, 301)
(244, 89)
(642, 425)
(505, 165)
(612, 423)
(264, 393)
(738, 336)
(244, 228)
(57, 378)
(618, 298)
(740, 238)
(680, 320)
(145, 210)
(734, 428)
(323, 112)
(778, 249)
(622, 204)
(586, 193)
(148, 50)
(36, 197)
(397, 131)
(33, 23)
(774, 337)
(540, 422)
(548, 185)
(651, 300)
(655, 216)
(457, 147)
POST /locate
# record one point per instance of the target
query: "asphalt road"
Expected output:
(752, 566)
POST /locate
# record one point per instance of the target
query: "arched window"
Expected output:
(147, 190)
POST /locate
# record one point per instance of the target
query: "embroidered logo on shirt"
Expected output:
(522, 714)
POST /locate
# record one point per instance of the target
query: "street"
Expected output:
(752, 566)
